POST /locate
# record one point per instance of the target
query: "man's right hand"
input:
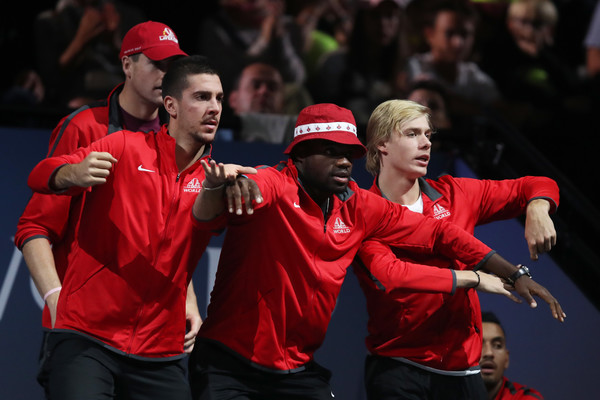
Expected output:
(93, 170)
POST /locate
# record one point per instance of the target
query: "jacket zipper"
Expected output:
(162, 241)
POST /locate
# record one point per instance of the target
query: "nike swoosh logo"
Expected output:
(296, 205)
(140, 168)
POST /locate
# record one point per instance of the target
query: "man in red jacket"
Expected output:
(494, 361)
(429, 344)
(283, 263)
(136, 105)
(120, 319)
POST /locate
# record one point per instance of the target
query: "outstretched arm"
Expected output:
(524, 285)
(211, 199)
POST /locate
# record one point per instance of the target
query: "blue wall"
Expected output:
(560, 360)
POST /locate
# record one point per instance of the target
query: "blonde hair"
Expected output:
(387, 119)
(544, 9)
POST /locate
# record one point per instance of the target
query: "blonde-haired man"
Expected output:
(424, 344)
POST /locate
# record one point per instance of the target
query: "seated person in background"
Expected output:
(450, 33)
(433, 95)
(369, 69)
(494, 361)
(534, 82)
(257, 102)
(245, 31)
(77, 46)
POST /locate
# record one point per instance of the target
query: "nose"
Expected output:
(215, 107)
(486, 351)
(344, 161)
(425, 142)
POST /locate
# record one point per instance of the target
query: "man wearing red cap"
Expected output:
(282, 265)
(147, 51)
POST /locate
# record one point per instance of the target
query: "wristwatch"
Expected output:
(523, 270)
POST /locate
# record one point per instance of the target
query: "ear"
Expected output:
(383, 148)
(170, 106)
(126, 64)
(233, 99)
(428, 33)
(507, 359)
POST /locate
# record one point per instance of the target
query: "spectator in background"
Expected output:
(245, 31)
(326, 26)
(77, 46)
(258, 103)
(592, 44)
(535, 83)
(450, 33)
(368, 70)
(494, 362)
(432, 95)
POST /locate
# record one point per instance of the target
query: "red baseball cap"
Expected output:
(328, 122)
(156, 40)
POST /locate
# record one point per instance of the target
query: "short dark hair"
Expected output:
(432, 85)
(488, 316)
(175, 80)
(460, 7)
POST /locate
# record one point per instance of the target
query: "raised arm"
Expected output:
(390, 273)
(213, 198)
(54, 174)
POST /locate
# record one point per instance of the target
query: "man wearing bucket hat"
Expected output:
(136, 105)
(283, 263)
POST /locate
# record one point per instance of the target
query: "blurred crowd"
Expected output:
(535, 63)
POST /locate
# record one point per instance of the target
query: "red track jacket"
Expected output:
(516, 391)
(48, 216)
(282, 267)
(437, 330)
(133, 257)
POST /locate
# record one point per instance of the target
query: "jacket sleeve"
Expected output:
(397, 226)
(389, 273)
(496, 200)
(39, 178)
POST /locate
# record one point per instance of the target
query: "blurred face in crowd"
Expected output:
(383, 22)
(260, 90)
(435, 102)
(494, 355)
(450, 37)
(530, 30)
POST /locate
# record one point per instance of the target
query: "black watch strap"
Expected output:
(523, 270)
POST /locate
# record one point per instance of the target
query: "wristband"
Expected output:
(478, 279)
(51, 291)
(212, 188)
